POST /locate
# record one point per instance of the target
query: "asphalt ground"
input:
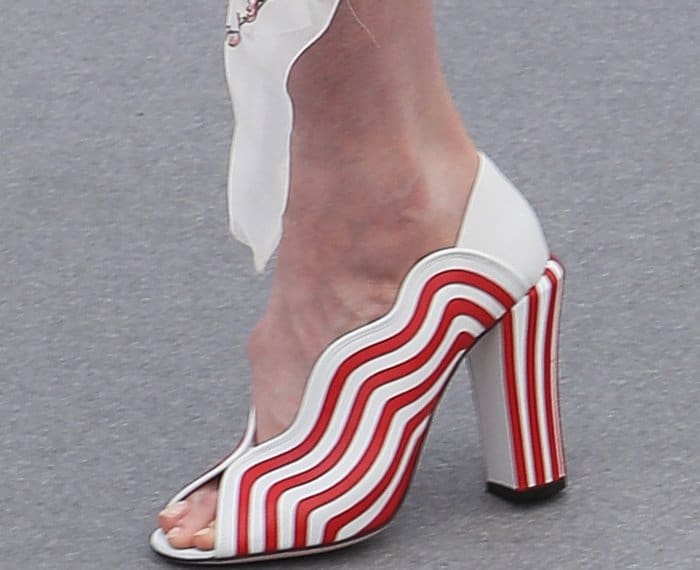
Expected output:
(125, 305)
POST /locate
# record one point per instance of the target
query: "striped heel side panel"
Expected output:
(514, 368)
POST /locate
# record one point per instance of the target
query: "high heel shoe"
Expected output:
(339, 473)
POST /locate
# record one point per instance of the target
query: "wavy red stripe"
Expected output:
(508, 342)
(531, 370)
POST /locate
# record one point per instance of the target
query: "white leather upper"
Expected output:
(501, 224)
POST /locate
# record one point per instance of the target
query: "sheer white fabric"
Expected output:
(257, 70)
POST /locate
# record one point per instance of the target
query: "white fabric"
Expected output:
(256, 71)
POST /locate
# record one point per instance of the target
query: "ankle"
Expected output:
(368, 209)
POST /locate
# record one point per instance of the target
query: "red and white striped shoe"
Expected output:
(339, 473)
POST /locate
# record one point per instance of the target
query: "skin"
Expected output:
(381, 168)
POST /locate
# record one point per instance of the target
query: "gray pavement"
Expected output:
(125, 306)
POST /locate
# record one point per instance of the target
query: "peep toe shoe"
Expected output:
(339, 473)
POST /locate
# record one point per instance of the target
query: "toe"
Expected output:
(204, 539)
(178, 538)
(171, 515)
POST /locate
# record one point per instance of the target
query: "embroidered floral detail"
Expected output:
(251, 13)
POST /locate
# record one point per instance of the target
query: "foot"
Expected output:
(380, 175)
(334, 274)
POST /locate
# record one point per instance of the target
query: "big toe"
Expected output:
(171, 515)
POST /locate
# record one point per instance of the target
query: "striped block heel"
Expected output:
(514, 370)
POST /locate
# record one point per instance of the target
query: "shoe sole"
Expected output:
(292, 553)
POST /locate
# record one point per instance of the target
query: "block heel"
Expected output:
(514, 370)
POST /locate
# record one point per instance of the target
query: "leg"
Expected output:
(381, 172)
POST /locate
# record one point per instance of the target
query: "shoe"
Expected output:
(339, 473)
